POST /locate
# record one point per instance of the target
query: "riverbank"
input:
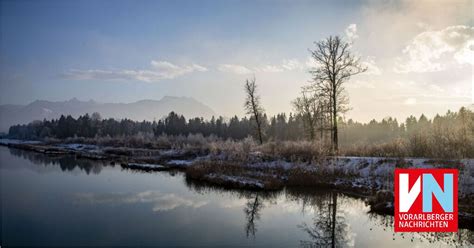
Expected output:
(370, 177)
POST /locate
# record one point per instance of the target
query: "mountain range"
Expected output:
(140, 110)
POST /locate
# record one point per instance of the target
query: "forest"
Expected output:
(449, 135)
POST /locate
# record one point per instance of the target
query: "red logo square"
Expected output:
(426, 200)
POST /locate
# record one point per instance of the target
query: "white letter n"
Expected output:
(407, 197)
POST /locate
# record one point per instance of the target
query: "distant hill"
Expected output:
(141, 110)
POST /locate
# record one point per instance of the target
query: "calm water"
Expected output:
(64, 201)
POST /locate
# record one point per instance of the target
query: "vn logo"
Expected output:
(426, 200)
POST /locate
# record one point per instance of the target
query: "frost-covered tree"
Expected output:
(335, 65)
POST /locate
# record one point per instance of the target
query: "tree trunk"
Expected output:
(334, 121)
(333, 227)
(259, 128)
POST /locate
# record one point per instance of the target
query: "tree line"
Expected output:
(450, 131)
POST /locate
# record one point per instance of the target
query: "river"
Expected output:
(63, 201)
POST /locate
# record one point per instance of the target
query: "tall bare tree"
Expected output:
(335, 65)
(253, 107)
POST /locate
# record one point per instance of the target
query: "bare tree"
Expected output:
(253, 107)
(335, 66)
(306, 107)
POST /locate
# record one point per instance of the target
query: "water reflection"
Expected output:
(329, 228)
(252, 214)
(160, 201)
(65, 162)
(156, 206)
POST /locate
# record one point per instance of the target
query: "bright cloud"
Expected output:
(160, 70)
(170, 70)
(292, 64)
(236, 69)
(372, 68)
(285, 65)
(434, 50)
(358, 84)
(269, 68)
(410, 101)
(351, 32)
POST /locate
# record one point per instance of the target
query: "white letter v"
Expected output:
(406, 197)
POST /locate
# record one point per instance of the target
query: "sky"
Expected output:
(420, 54)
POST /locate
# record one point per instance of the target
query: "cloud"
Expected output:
(236, 69)
(270, 68)
(351, 32)
(285, 65)
(435, 88)
(170, 70)
(372, 68)
(358, 84)
(160, 70)
(465, 55)
(410, 101)
(427, 93)
(292, 64)
(388, 25)
(434, 50)
(311, 63)
(160, 201)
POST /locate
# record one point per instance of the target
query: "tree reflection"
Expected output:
(252, 213)
(329, 227)
(252, 208)
(65, 162)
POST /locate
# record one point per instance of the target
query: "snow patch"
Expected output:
(178, 162)
(79, 147)
(243, 181)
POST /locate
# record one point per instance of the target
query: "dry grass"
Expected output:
(294, 151)
(214, 171)
(243, 150)
(415, 146)
(396, 148)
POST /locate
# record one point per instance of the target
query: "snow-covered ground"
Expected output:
(375, 172)
(241, 181)
(187, 162)
(80, 147)
(181, 163)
